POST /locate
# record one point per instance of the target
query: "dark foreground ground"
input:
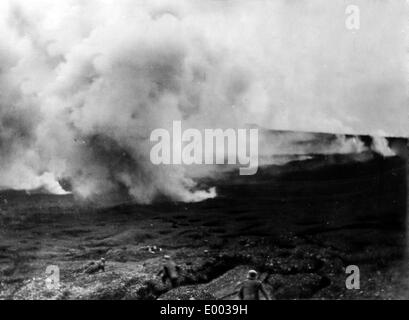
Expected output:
(300, 225)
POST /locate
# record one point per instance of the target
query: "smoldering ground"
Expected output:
(84, 83)
(299, 224)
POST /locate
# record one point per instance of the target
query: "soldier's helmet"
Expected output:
(252, 275)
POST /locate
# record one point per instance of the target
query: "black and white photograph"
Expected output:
(209, 150)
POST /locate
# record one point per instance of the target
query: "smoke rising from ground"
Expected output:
(83, 83)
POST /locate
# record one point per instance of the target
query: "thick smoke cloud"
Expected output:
(83, 83)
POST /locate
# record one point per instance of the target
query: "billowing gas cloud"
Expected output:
(84, 82)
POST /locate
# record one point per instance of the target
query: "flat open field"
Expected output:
(300, 225)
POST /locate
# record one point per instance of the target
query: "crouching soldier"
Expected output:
(251, 288)
(170, 271)
(95, 267)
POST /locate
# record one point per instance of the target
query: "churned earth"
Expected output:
(300, 225)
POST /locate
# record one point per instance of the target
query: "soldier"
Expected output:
(95, 267)
(251, 288)
(170, 271)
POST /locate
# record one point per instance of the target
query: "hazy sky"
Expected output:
(289, 64)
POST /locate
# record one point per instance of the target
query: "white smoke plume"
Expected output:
(84, 82)
(380, 145)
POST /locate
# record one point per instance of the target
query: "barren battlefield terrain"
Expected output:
(299, 225)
